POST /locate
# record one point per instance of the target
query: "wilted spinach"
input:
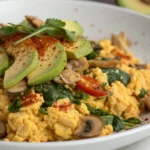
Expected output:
(15, 105)
(52, 92)
(143, 93)
(117, 122)
(115, 74)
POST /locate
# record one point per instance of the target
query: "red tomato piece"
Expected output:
(91, 86)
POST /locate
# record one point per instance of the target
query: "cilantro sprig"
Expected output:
(51, 27)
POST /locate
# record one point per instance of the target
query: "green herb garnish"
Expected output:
(43, 110)
(143, 93)
(104, 85)
(52, 27)
(15, 105)
(82, 95)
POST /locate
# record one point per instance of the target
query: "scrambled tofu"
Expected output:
(27, 125)
(64, 117)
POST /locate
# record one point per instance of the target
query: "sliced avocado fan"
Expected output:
(78, 49)
(25, 61)
(50, 65)
(142, 6)
(74, 27)
(4, 63)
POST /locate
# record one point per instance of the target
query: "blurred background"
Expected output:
(141, 6)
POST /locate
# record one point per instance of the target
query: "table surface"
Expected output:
(143, 144)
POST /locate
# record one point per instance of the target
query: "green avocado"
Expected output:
(4, 63)
(142, 6)
(50, 65)
(74, 26)
(25, 61)
(78, 49)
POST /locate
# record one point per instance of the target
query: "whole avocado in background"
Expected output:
(142, 6)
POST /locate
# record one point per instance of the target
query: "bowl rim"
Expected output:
(90, 140)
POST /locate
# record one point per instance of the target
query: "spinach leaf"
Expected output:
(143, 93)
(82, 95)
(97, 112)
(115, 74)
(92, 55)
(15, 105)
(52, 92)
(104, 85)
(43, 110)
(107, 119)
(96, 49)
(117, 122)
(133, 120)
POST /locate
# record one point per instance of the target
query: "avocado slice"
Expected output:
(25, 60)
(4, 63)
(74, 26)
(50, 66)
(142, 6)
(78, 49)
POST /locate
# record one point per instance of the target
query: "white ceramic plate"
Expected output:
(99, 21)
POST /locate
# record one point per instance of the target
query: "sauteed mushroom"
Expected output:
(19, 87)
(2, 129)
(141, 66)
(89, 126)
(147, 102)
(36, 22)
(103, 64)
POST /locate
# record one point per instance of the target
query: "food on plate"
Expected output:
(137, 5)
(56, 85)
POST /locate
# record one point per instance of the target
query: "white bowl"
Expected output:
(99, 21)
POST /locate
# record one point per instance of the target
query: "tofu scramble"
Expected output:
(59, 86)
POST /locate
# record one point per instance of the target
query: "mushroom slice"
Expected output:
(147, 102)
(89, 126)
(146, 1)
(2, 129)
(141, 66)
(19, 87)
(69, 76)
(121, 41)
(103, 64)
(78, 65)
(36, 22)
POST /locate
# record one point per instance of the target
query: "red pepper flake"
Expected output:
(146, 119)
(65, 107)
(29, 99)
(123, 56)
(41, 43)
